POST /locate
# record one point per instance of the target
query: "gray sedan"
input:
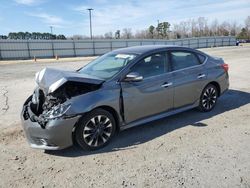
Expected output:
(121, 89)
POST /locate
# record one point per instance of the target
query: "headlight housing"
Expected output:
(57, 111)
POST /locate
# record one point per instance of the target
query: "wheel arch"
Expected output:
(107, 108)
(110, 110)
(113, 112)
(217, 85)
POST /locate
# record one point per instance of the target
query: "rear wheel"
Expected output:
(208, 98)
(95, 129)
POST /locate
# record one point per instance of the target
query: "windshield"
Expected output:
(108, 65)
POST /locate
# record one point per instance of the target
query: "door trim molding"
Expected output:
(159, 116)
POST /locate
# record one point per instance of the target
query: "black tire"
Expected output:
(95, 129)
(208, 98)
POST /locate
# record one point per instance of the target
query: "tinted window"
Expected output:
(181, 60)
(152, 65)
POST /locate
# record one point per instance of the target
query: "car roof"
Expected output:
(149, 48)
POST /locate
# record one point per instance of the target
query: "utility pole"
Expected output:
(158, 22)
(90, 22)
(51, 31)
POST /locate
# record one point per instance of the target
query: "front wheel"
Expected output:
(208, 98)
(95, 129)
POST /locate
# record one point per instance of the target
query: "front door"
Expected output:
(152, 95)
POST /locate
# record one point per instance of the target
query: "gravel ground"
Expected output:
(191, 149)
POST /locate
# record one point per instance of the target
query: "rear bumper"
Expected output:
(56, 135)
(224, 83)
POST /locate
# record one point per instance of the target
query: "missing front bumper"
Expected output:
(56, 135)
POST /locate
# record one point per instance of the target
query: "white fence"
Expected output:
(27, 49)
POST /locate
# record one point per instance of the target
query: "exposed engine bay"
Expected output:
(47, 103)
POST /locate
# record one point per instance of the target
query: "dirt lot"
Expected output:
(191, 149)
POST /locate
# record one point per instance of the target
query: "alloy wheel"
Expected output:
(97, 131)
(209, 98)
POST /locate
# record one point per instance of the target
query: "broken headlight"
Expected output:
(57, 111)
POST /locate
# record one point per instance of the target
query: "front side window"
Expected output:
(152, 65)
(183, 59)
(108, 65)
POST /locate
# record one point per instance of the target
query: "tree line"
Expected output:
(33, 35)
(199, 27)
(190, 28)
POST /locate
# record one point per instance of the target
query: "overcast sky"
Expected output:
(70, 17)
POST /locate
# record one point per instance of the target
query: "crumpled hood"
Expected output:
(50, 79)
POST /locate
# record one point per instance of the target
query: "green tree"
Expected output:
(151, 31)
(118, 34)
(243, 34)
(61, 37)
(20, 35)
(163, 29)
(12, 35)
(3, 37)
(27, 35)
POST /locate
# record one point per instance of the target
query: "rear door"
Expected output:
(189, 77)
(152, 95)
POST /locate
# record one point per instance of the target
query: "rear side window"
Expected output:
(201, 58)
(183, 59)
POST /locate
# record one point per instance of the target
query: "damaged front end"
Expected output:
(46, 108)
(55, 105)
(55, 88)
(44, 113)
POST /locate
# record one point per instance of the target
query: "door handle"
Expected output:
(167, 84)
(200, 76)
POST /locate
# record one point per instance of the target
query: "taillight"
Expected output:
(225, 67)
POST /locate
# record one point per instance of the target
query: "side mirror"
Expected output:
(133, 77)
